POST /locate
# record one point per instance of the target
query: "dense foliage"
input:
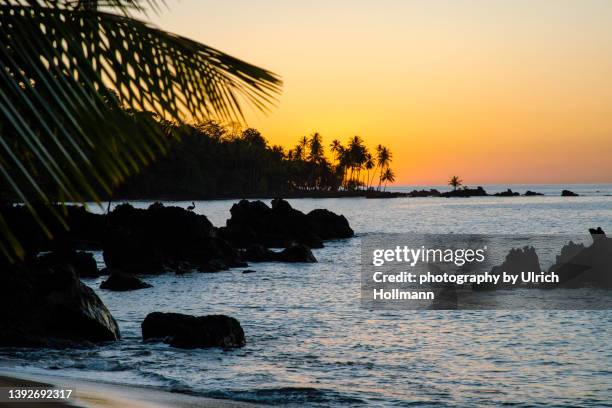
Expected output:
(216, 161)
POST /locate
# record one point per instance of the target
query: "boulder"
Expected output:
(567, 193)
(329, 225)
(517, 260)
(122, 282)
(159, 238)
(83, 263)
(532, 193)
(278, 226)
(294, 253)
(185, 331)
(507, 193)
(465, 192)
(47, 306)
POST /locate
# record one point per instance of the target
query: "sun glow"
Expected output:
(496, 91)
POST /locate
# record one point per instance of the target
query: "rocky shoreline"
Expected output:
(43, 303)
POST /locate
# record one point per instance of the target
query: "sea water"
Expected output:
(310, 344)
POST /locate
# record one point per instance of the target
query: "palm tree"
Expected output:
(73, 76)
(315, 144)
(383, 160)
(369, 165)
(388, 176)
(454, 182)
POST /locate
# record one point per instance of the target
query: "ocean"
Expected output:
(310, 344)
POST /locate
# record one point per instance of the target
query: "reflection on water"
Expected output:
(308, 341)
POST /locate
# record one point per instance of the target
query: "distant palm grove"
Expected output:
(211, 160)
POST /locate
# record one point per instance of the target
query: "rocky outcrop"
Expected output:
(161, 238)
(517, 260)
(44, 305)
(295, 253)
(529, 193)
(579, 266)
(122, 282)
(568, 193)
(279, 226)
(507, 193)
(328, 225)
(465, 192)
(83, 263)
(185, 331)
(424, 193)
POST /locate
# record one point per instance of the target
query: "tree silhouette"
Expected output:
(62, 125)
(455, 182)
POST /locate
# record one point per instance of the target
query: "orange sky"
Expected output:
(494, 91)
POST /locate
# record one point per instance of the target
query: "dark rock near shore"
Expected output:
(160, 238)
(122, 282)
(47, 306)
(278, 226)
(532, 193)
(294, 253)
(329, 225)
(185, 331)
(465, 192)
(83, 263)
(567, 193)
(507, 193)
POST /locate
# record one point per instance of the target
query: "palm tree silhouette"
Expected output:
(455, 182)
(388, 176)
(74, 76)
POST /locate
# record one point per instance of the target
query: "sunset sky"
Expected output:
(493, 91)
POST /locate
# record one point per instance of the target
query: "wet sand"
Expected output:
(91, 394)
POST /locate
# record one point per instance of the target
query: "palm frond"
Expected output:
(73, 80)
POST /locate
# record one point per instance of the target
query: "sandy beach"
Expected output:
(91, 394)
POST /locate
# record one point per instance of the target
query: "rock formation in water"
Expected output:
(44, 304)
(507, 193)
(280, 226)
(465, 192)
(567, 193)
(122, 282)
(185, 331)
(164, 237)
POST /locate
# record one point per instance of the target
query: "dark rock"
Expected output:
(83, 263)
(579, 266)
(425, 193)
(294, 253)
(597, 231)
(122, 282)
(517, 261)
(297, 253)
(328, 225)
(45, 306)
(161, 238)
(248, 271)
(465, 192)
(253, 222)
(567, 193)
(507, 193)
(185, 331)
(532, 193)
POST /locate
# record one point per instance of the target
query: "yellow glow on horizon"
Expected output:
(493, 91)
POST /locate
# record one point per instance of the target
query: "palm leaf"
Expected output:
(73, 81)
